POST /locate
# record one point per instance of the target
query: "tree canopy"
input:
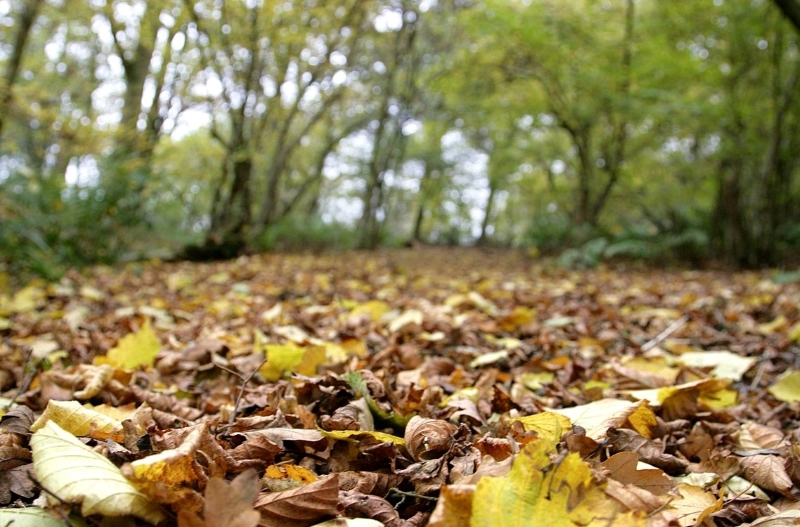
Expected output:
(593, 129)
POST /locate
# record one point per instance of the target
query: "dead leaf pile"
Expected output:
(403, 388)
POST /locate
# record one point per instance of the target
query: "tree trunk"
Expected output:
(791, 10)
(26, 19)
(483, 239)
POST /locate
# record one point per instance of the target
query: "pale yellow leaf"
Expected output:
(724, 364)
(694, 505)
(77, 474)
(411, 316)
(596, 417)
(29, 517)
(79, 420)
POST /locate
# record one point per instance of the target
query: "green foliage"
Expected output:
(684, 248)
(46, 228)
(307, 233)
(553, 232)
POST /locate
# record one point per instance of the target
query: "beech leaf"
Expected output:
(79, 420)
(538, 492)
(77, 474)
(301, 506)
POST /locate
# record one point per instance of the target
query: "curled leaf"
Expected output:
(428, 439)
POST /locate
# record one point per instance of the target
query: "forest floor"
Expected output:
(443, 387)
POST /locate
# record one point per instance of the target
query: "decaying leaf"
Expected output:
(428, 439)
(227, 504)
(300, 507)
(481, 389)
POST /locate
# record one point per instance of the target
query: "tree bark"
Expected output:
(791, 10)
(26, 19)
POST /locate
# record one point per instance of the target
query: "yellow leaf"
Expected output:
(374, 308)
(643, 420)
(787, 389)
(719, 399)
(536, 381)
(294, 472)
(411, 316)
(454, 506)
(356, 435)
(77, 474)
(79, 420)
(135, 349)
(548, 425)
(92, 293)
(520, 316)
(537, 492)
(172, 468)
(291, 358)
(27, 299)
(794, 333)
(778, 324)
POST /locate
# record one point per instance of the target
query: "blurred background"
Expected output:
(583, 129)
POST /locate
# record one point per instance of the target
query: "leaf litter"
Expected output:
(400, 388)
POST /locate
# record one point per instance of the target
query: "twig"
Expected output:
(652, 343)
(232, 418)
(29, 378)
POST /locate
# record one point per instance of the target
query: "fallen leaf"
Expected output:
(787, 389)
(227, 504)
(135, 349)
(300, 507)
(77, 474)
(79, 421)
(538, 492)
(30, 517)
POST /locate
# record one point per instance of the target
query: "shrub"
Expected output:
(306, 233)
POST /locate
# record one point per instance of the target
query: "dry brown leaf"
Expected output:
(227, 504)
(623, 468)
(754, 436)
(300, 507)
(428, 439)
(768, 472)
(357, 505)
(648, 451)
(635, 498)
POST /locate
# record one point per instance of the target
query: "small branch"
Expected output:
(664, 334)
(232, 418)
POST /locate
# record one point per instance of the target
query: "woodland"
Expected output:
(399, 263)
(589, 130)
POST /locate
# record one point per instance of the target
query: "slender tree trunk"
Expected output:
(791, 10)
(25, 22)
(483, 239)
